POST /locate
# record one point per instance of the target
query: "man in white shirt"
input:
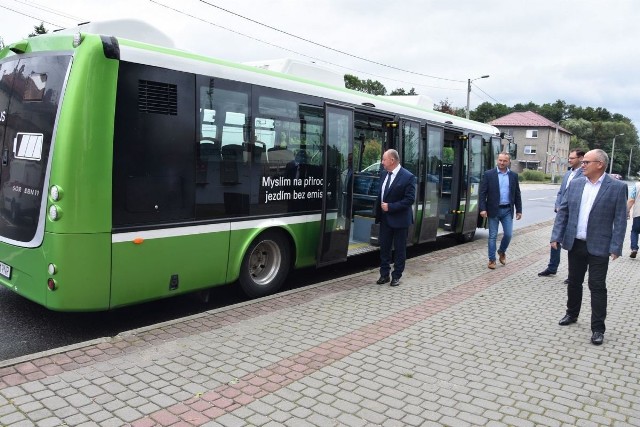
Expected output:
(575, 171)
(591, 223)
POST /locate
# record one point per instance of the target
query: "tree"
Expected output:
(445, 107)
(555, 112)
(582, 131)
(401, 91)
(520, 108)
(487, 112)
(372, 87)
(38, 29)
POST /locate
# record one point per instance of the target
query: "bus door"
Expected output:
(452, 175)
(471, 187)
(335, 220)
(410, 149)
(430, 184)
(371, 138)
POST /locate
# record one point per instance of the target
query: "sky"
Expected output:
(583, 52)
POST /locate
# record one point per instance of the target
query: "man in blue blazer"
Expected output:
(395, 215)
(499, 195)
(591, 224)
(575, 171)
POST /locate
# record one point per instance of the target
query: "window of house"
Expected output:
(530, 149)
(532, 133)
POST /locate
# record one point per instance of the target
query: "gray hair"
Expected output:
(394, 154)
(601, 156)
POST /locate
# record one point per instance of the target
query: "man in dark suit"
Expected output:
(499, 194)
(591, 223)
(575, 171)
(395, 215)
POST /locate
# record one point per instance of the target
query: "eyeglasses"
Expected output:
(586, 162)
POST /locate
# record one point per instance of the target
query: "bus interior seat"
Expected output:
(279, 154)
(210, 150)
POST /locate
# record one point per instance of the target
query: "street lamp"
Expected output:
(469, 90)
(629, 168)
(613, 147)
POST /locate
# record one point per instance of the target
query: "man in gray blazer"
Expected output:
(575, 171)
(591, 223)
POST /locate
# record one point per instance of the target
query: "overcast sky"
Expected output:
(581, 51)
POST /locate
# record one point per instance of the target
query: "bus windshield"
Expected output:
(30, 91)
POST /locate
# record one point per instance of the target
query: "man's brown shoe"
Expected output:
(633, 254)
(492, 265)
(502, 257)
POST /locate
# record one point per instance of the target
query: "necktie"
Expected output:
(386, 187)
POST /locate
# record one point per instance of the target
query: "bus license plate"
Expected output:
(5, 270)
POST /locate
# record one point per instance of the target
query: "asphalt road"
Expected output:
(28, 328)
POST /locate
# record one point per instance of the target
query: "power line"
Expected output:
(30, 16)
(49, 10)
(291, 50)
(498, 102)
(328, 47)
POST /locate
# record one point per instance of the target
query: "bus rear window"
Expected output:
(30, 92)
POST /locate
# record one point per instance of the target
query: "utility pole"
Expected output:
(469, 91)
(613, 147)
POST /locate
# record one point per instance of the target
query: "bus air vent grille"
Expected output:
(157, 98)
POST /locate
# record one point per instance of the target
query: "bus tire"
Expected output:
(465, 237)
(265, 265)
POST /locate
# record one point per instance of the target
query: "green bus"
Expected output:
(132, 171)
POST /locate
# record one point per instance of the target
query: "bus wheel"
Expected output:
(266, 264)
(465, 237)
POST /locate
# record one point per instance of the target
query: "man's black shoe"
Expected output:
(395, 282)
(567, 320)
(383, 280)
(546, 273)
(566, 281)
(597, 338)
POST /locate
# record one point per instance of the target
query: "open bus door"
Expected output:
(428, 184)
(335, 219)
(411, 149)
(471, 187)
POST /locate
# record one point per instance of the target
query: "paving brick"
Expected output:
(349, 353)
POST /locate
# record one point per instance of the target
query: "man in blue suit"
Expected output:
(591, 224)
(575, 171)
(395, 215)
(499, 194)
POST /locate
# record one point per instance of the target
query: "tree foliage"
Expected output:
(401, 91)
(38, 30)
(445, 107)
(372, 87)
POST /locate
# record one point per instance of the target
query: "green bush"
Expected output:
(531, 175)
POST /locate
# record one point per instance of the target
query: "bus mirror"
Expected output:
(513, 150)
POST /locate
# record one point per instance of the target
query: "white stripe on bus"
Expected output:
(216, 228)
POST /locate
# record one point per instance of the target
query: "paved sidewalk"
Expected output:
(456, 344)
